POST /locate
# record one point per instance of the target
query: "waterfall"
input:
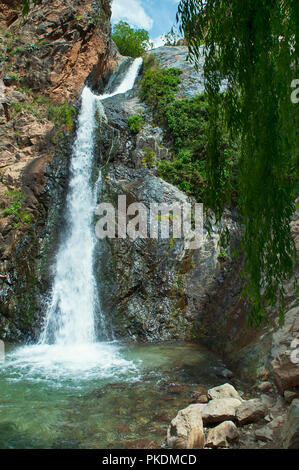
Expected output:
(70, 317)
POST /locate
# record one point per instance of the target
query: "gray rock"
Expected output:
(218, 410)
(226, 372)
(251, 411)
(223, 391)
(186, 429)
(264, 434)
(291, 430)
(222, 435)
(264, 387)
(267, 433)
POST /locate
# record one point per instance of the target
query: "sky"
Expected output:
(156, 16)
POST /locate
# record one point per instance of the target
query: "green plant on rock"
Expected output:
(14, 76)
(222, 256)
(27, 4)
(185, 122)
(158, 89)
(185, 172)
(20, 216)
(149, 157)
(61, 115)
(135, 123)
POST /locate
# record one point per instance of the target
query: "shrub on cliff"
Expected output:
(131, 42)
(185, 122)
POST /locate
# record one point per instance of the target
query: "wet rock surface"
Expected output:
(48, 57)
(160, 286)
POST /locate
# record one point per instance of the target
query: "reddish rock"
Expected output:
(219, 409)
(222, 435)
(285, 372)
(70, 40)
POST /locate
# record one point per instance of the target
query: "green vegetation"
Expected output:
(20, 216)
(222, 256)
(26, 6)
(185, 172)
(135, 123)
(149, 157)
(14, 76)
(254, 45)
(159, 87)
(61, 115)
(186, 125)
(131, 42)
(42, 107)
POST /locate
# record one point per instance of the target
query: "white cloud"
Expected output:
(158, 42)
(131, 11)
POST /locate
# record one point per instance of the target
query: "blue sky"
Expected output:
(156, 16)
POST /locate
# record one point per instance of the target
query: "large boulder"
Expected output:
(218, 410)
(291, 430)
(222, 435)
(186, 429)
(251, 411)
(267, 432)
(285, 371)
(223, 391)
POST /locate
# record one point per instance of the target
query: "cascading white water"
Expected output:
(70, 316)
(70, 319)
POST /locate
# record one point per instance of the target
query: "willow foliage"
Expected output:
(253, 45)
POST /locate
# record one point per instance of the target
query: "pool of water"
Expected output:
(104, 395)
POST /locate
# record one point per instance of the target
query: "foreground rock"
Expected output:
(290, 395)
(267, 432)
(285, 371)
(222, 435)
(251, 411)
(291, 440)
(186, 429)
(218, 410)
(45, 61)
(224, 391)
(256, 423)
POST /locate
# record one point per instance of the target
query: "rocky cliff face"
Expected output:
(161, 291)
(152, 290)
(45, 60)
